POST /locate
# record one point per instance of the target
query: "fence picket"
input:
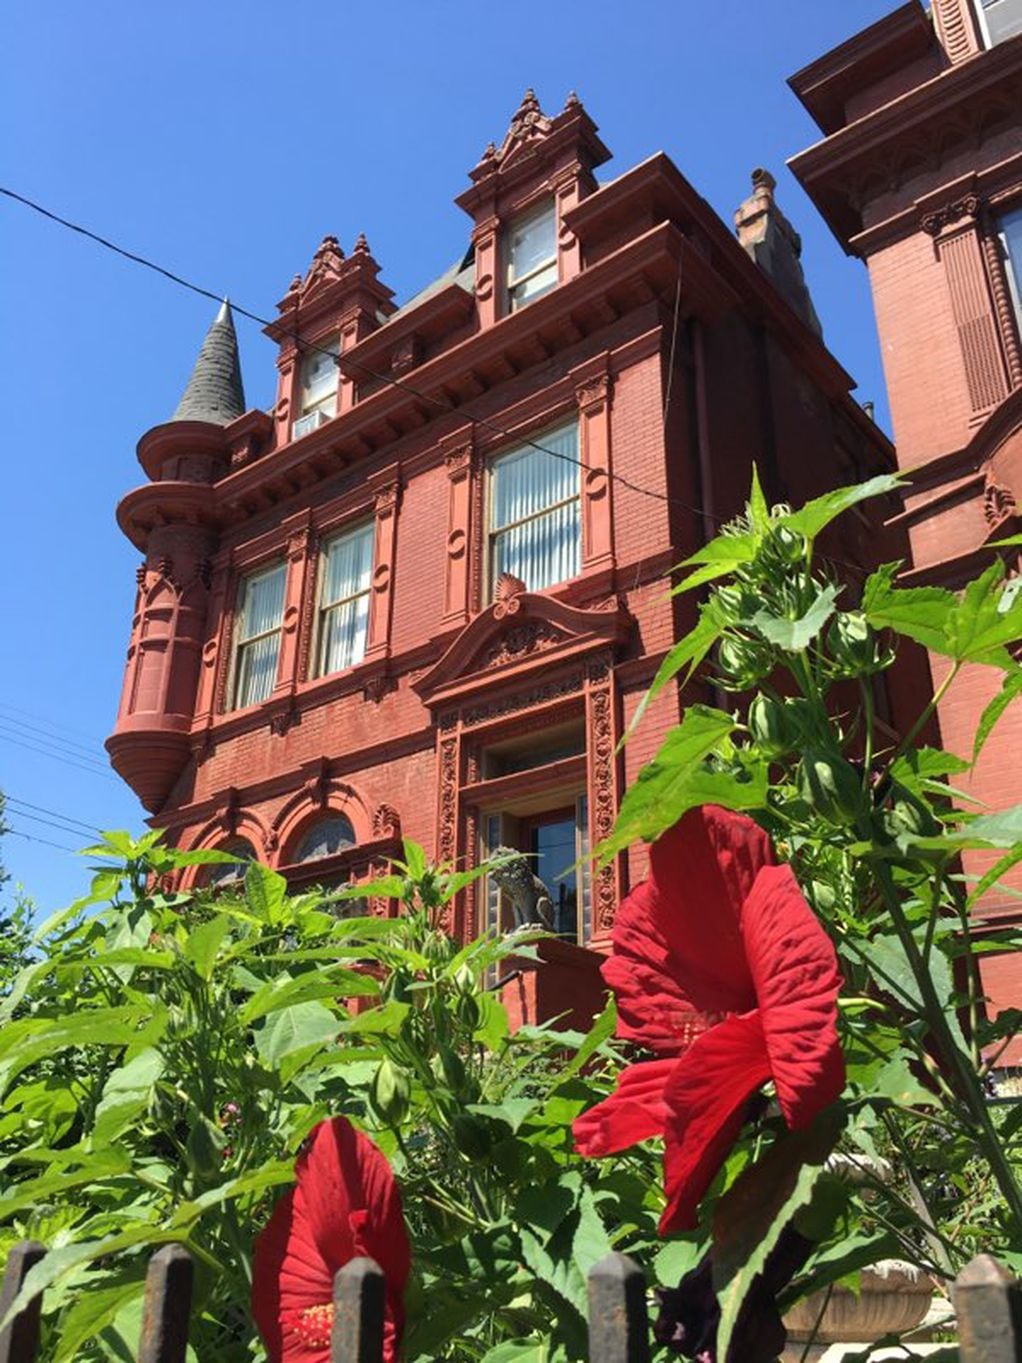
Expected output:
(357, 1333)
(167, 1308)
(988, 1304)
(618, 1326)
(20, 1341)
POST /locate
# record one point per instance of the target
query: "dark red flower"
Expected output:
(719, 927)
(345, 1203)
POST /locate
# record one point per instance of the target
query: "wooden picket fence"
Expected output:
(987, 1298)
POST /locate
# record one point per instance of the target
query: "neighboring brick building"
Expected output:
(380, 608)
(920, 175)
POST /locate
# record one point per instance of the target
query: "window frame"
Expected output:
(527, 447)
(322, 610)
(980, 10)
(546, 208)
(1011, 264)
(238, 644)
(327, 403)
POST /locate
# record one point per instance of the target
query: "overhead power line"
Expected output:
(49, 723)
(94, 770)
(49, 744)
(50, 736)
(9, 799)
(402, 385)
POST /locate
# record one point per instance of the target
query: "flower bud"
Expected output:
(743, 663)
(852, 645)
(452, 1068)
(831, 787)
(468, 1011)
(773, 726)
(906, 814)
(390, 1093)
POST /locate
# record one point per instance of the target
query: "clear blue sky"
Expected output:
(223, 140)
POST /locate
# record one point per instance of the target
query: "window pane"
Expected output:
(343, 634)
(325, 838)
(229, 873)
(257, 670)
(542, 551)
(1002, 19)
(349, 561)
(529, 480)
(532, 243)
(540, 282)
(1011, 241)
(553, 845)
(262, 603)
(319, 374)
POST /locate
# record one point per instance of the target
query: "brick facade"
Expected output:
(678, 361)
(921, 158)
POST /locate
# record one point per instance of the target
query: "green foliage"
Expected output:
(164, 1058)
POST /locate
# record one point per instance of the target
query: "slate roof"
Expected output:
(215, 392)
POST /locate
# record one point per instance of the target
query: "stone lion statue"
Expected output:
(530, 898)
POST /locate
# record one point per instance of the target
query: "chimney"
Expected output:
(769, 238)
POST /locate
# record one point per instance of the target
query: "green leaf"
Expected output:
(493, 1027)
(975, 628)
(512, 1111)
(888, 959)
(919, 613)
(683, 658)
(332, 983)
(384, 1020)
(914, 767)
(601, 1030)
(519, 1351)
(203, 944)
(91, 1311)
(758, 511)
(795, 635)
(677, 780)
(104, 1164)
(718, 557)
(294, 1028)
(265, 892)
(749, 1218)
(999, 868)
(1003, 829)
(415, 858)
(810, 519)
(591, 1242)
(992, 712)
(126, 1093)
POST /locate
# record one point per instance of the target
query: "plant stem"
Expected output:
(924, 716)
(970, 1090)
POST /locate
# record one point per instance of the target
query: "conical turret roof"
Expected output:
(215, 392)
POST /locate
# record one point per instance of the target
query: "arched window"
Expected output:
(324, 839)
(225, 873)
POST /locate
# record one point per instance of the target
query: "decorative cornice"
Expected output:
(934, 222)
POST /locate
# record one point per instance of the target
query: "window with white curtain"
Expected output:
(257, 640)
(535, 522)
(1009, 230)
(344, 599)
(318, 396)
(531, 256)
(999, 19)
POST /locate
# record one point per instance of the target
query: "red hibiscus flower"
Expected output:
(721, 927)
(345, 1203)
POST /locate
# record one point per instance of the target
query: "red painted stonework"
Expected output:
(680, 363)
(923, 150)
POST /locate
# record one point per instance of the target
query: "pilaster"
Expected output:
(592, 383)
(387, 492)
(459, 457)
(488, 290)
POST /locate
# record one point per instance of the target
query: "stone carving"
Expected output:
(532, 636)
(522, 700)
(507, 588)
(592, 391)
(326, 265)
(998, 502)
(308, 615)
(375, 688)
(447, 837)
(529, 897)
(601, 747)
(965, 207)
(283, 720)
(529, 124)
(386, 822)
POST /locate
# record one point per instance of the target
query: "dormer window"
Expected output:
(318, 397)
(999, 19)
(531, 256)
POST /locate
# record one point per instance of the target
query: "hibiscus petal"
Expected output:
(651, 1007)
(797, 979)
(345, 1203)
(702, 869)
(633, 1112)
(706, 1097)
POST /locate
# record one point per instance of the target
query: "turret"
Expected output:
(171, 519)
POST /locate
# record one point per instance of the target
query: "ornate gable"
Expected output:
(521, 633)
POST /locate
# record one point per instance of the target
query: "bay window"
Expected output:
(999, 19)
(531, 246)
(318, 393)
(257, 644)
(1009, 230)
(535, 524)
(344, 600)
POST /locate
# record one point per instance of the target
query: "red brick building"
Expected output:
(919, 173)
(424, 594)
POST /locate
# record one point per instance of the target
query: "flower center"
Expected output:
(314, 1325)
